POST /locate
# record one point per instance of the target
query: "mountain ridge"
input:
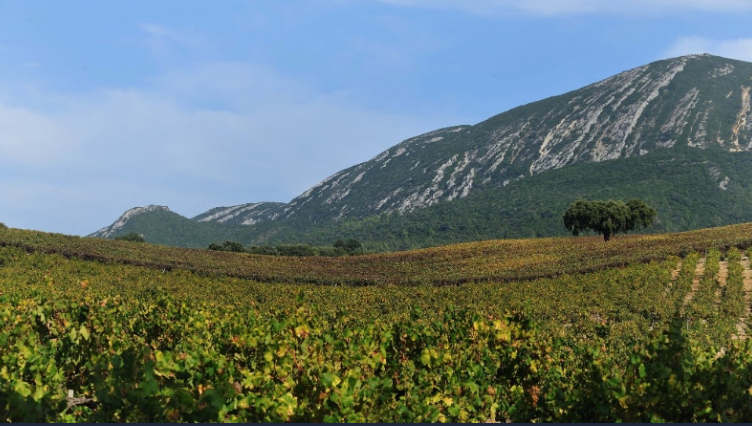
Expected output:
(695, 101)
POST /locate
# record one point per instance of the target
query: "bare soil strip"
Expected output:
(741, 326)
(699, 271)
(675, 273)
(722, 277)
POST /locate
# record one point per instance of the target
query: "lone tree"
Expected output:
(608, 217)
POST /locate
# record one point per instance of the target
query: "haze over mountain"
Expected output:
(675, 121)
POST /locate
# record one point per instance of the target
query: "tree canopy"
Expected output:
(231, 246)
(351, 246)
(608, 217)
(133, 237)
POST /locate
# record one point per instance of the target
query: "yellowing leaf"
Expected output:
(84, 332)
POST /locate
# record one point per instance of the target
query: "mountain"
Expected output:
(661, 119)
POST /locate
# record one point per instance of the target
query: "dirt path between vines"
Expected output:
(721, 279)
(675, 273)
(699, 270)
(741, 326)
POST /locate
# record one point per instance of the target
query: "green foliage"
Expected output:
(496, 260)
(676, 182)
(680, 182)
(135, 345)
(132, 237)
(231, 246)
(640, 215)
(607, 217)
(351, 246)
(3, 226)
(299, 250)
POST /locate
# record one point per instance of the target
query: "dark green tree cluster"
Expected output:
(232, 246)
(3, 226)
(132, 237)
(350, 247)
(608, 217)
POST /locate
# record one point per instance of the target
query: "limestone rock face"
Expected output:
(690, 102)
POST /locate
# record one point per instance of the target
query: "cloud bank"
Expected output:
(578, 7)
(195, 136)
(740, 48)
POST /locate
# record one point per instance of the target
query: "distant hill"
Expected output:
(676, 133)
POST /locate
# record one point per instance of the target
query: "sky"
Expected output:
(194, 104)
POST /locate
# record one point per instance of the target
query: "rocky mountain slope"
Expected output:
(697, 102)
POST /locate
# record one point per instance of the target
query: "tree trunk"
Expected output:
(606, 236)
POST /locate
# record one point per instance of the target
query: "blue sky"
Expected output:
(107, 105)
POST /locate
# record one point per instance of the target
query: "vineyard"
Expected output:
(494, 261)
(644, 328)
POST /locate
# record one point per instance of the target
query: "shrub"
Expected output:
(132, 237)
(232, 246)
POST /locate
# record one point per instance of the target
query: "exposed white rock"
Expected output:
(714, 172)
(741, 120)
(313, 188)
(460, 168)
(463, 190)
(220, 213)
(720, 72)
(617, 117)
(381, 156)
(385, 200)
(440, 171)
(660, 84)
(338, 195)
(229, 213)
(678, 120)
(419, 199)
(358, 178)
(109, 231)
(697, 138)
(724, 183)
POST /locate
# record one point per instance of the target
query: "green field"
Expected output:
(644, 328)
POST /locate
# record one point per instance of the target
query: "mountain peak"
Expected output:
(119, 224)
(692, 102)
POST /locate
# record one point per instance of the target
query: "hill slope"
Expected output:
(695, 107)
(495, 260)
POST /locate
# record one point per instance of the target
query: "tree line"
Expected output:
(350, 247)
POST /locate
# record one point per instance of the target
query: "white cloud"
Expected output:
(160, 37)
(200, 133)
(216, 134)
(571, 7)
(740, 48)
(32, 138)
